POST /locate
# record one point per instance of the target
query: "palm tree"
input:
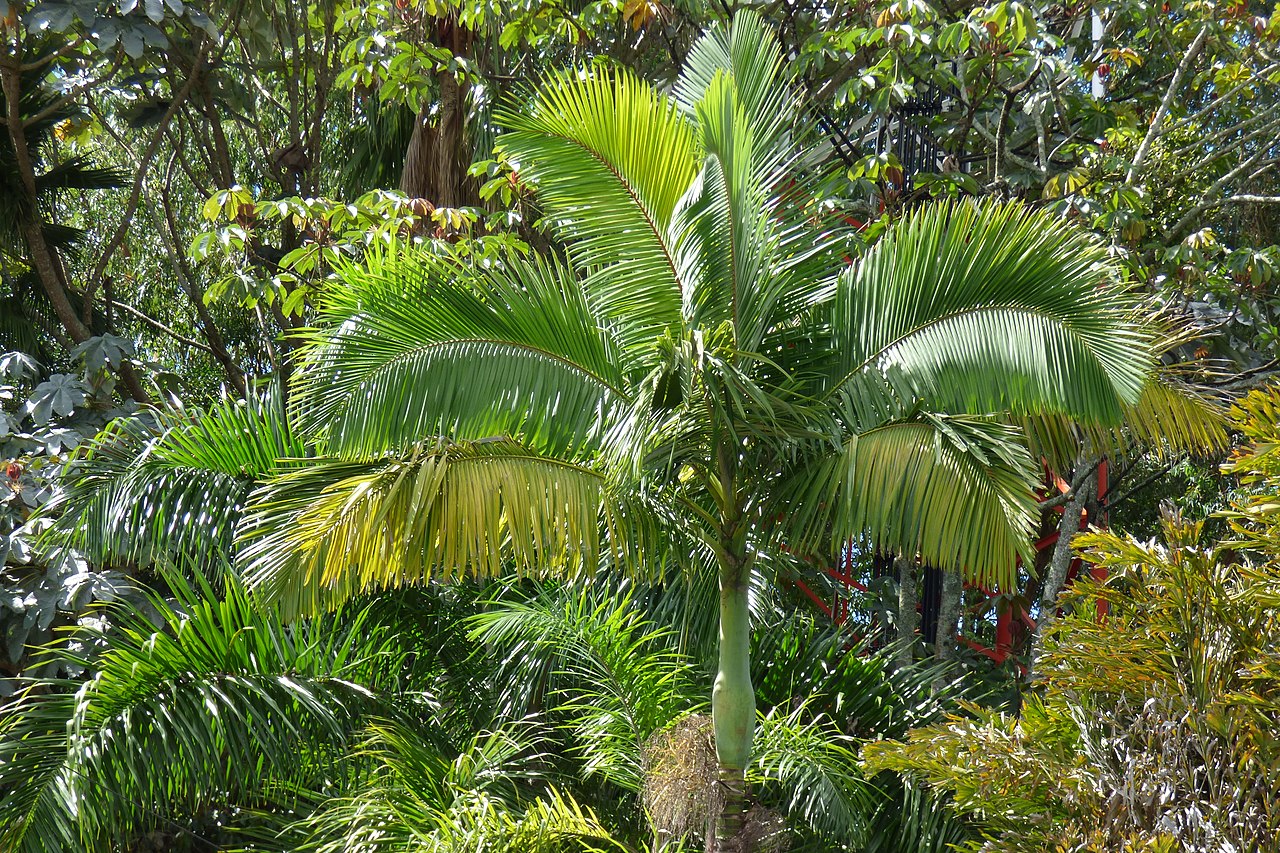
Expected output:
(699, 380)
(702, 372)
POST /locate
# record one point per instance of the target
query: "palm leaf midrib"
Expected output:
(1010, 307)
(421, 349)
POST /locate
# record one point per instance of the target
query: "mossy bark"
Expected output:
(908, 617)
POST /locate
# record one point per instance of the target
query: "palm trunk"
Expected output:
(949, 604)
(733, 708)
(908, 618)
(949, 615)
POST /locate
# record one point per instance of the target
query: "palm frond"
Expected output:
(170, 483)
(1170, 417)
(611, 157)
(211, 707)
(78, 173)
(913, 819)
(799, 659)
(727, 239)
(614, 677)
(985, 307)
(415, 345)
(746, 242)
(552, 824)
(330, 529)
(957, 492)
(747, 51)
(810, 768)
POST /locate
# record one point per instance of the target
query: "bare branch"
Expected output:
(1110, 503)
(158, 326)
(1251, 80)
(1212, 196)
(1158, 119)
(69, 47)
(1251, 199)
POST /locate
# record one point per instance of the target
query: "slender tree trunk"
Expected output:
(733, 706)
(1083, 484)
(908, 618)
(949, 615)
(43, 258)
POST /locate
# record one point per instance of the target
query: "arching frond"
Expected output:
(613, 676)
(331, 529)
(985, 307)
(78, 173)
(415, 345)
(805, 655)
(810, 768)
(747, 51)
(171, 483)
(611, 156)
(958, 492)
(212, 707)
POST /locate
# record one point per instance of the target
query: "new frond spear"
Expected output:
(703, 373)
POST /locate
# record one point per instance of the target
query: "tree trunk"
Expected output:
(436, 162)
(908, 618)
(44, 259)
(733, 707)
(949, 615)
(1083, 483)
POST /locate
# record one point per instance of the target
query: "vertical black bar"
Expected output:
(930, 603)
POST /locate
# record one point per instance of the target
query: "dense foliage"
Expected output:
(798, 342)
(1157, 726)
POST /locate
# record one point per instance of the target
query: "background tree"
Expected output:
(1157, 725)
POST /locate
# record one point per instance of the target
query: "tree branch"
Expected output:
(1211, 197)
(135, 194)
(158, 326)
(43, 257)
(1251, 199)
(1109, 503)
(1174, 85)
(1077, 481)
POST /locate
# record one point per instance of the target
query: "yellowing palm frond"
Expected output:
(957, 492)
(332, 529)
